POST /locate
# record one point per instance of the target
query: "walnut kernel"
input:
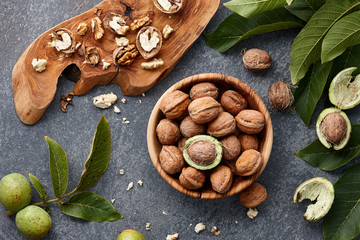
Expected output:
(82, 29)
(97, 29)
(138, 23)
(167, 30)
(39, 65)
(153, 64)
(122, 41)
(123, 56)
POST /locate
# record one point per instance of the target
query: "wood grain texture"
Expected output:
(224, 83)
(33, 91)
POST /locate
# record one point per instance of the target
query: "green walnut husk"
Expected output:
(130, 234)
(215, 161)
(33, 222)
(344, 91)
(321, 136)
(317, 189)
(15, 192)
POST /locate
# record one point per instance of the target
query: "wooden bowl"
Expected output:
(223, 82)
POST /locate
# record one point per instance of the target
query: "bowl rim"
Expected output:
(265, 146)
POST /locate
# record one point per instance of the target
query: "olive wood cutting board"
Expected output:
(34, 91)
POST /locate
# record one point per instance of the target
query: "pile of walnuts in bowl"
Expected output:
(209, 137)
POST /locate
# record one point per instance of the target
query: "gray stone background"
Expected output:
(24, 150)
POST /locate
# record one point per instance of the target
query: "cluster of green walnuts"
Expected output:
(15, 195)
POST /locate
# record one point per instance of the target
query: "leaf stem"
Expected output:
(55, 199)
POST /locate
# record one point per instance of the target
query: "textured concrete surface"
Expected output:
(24, 150)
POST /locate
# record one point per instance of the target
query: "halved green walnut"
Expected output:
(202, 152)
(333, 128)
(316, 189)
(344, 91)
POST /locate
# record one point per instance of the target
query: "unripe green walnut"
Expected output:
(33, 222)
(130, 234)
(15, 192)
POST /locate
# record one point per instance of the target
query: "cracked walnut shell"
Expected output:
(223, 125)
(124, 55)
(253, 196)
(149, 42)
(171, 159)
(250, 121)
(191, 178)
(203, 110)
(168, 132)
(233, 102)
(116, 23)
(249, 162)
(221, 179)
(175, 104)
(63, 40)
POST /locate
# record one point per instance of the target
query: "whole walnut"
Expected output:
(204, 89)
(223, 125)
(221, 179)
(334, 127)
(203, 110)
(249, 162)
(175, 104)
(253, 195)
(256, 60)
(250, 121)
(280, 95)
(171, 159)
(189, 128)
(181, 144)
(168, 132)
(192, 178)
(233, 102)
(231, 147)
(202, 152)
(249, 141)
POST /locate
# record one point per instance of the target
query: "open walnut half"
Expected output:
(116, 23)
(63, 40)
(168, 6)
(149, 42)
(124, 55)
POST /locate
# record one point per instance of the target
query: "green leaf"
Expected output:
(58, 167)
(328, 159)
(236, 28)
(248, 8)
(304, 9)
(306, 48)
(99, 157)
(91, 207)
(309, 90)
(38, 186)
(342, 221)
(345, 33)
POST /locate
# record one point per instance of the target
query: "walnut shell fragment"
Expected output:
(63, 40)
(91, 55)
(253, 196)
(116, 23)
(149, 42)
(123, 56)
(168, 6)
(175, 104)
